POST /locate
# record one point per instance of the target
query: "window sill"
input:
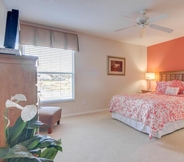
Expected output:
(57, 101)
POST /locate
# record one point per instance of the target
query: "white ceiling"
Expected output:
(102, 17)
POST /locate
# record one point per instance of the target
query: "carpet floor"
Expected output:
(99, 138)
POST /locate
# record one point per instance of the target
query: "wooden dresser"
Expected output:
(18, 75)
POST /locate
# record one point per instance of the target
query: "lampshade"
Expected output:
(150, 76)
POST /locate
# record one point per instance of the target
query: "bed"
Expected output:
(155, 113)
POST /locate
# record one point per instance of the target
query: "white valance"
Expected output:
(33, 35)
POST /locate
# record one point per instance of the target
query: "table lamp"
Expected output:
(149, 77)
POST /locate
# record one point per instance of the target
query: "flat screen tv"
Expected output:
(12, 30)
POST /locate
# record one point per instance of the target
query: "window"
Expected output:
(55, 72)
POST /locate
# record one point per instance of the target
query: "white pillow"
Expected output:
(172, 90)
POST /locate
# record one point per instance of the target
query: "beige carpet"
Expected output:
(99, 138)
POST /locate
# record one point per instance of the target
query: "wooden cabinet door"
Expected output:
(18, 75)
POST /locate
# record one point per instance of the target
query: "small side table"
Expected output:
(146, 91)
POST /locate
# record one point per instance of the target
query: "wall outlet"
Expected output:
(84, 102)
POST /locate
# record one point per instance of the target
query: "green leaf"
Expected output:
(49, 153)
(25, 135)
(18, 151)
(35, 124)
(3, 152)
(16, 130)
(48, 142)
(8, 132)
(16, 160)
(59, 148)
(37, 160)
(28, 160)
(32, 142)
(36, 151)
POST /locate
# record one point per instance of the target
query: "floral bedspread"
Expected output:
(154, 110)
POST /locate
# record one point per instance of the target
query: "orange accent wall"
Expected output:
(167, 56)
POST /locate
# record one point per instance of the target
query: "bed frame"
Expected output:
(168, 127)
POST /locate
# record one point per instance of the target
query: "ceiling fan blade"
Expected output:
(127, 17)
(125, 28)
(158, 17)
(161, 28)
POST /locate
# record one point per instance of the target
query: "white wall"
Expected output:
(3, 12)
(91, 80)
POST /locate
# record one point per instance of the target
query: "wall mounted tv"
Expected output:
(12, 29)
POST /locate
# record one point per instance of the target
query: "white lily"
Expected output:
(19, 97)
(7, 120)
(10, 103)
(28, 112)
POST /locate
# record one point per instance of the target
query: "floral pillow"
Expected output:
(161, 86)
(172, 90)
(177, 83)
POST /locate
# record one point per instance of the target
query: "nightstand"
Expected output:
(146, 91)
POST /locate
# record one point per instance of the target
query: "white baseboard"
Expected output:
(85, 112)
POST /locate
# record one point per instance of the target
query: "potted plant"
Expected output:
(23, 144)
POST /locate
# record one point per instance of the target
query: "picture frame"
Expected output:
(116, 65)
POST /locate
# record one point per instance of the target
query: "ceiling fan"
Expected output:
(144, 21)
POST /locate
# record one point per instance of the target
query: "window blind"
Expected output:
(51, 59)
(55, 72)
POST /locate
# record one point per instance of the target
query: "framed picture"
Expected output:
(116, 65)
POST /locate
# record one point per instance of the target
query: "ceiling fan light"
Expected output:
(142, 32)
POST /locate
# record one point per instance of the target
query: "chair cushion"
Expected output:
(49, 110)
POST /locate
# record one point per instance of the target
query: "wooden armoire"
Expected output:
(18, 75)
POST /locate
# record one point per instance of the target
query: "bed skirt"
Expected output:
(168, 128)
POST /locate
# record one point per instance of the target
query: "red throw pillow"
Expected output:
(182, 92)
(177, 83)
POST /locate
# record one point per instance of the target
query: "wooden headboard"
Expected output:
(171, 75)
